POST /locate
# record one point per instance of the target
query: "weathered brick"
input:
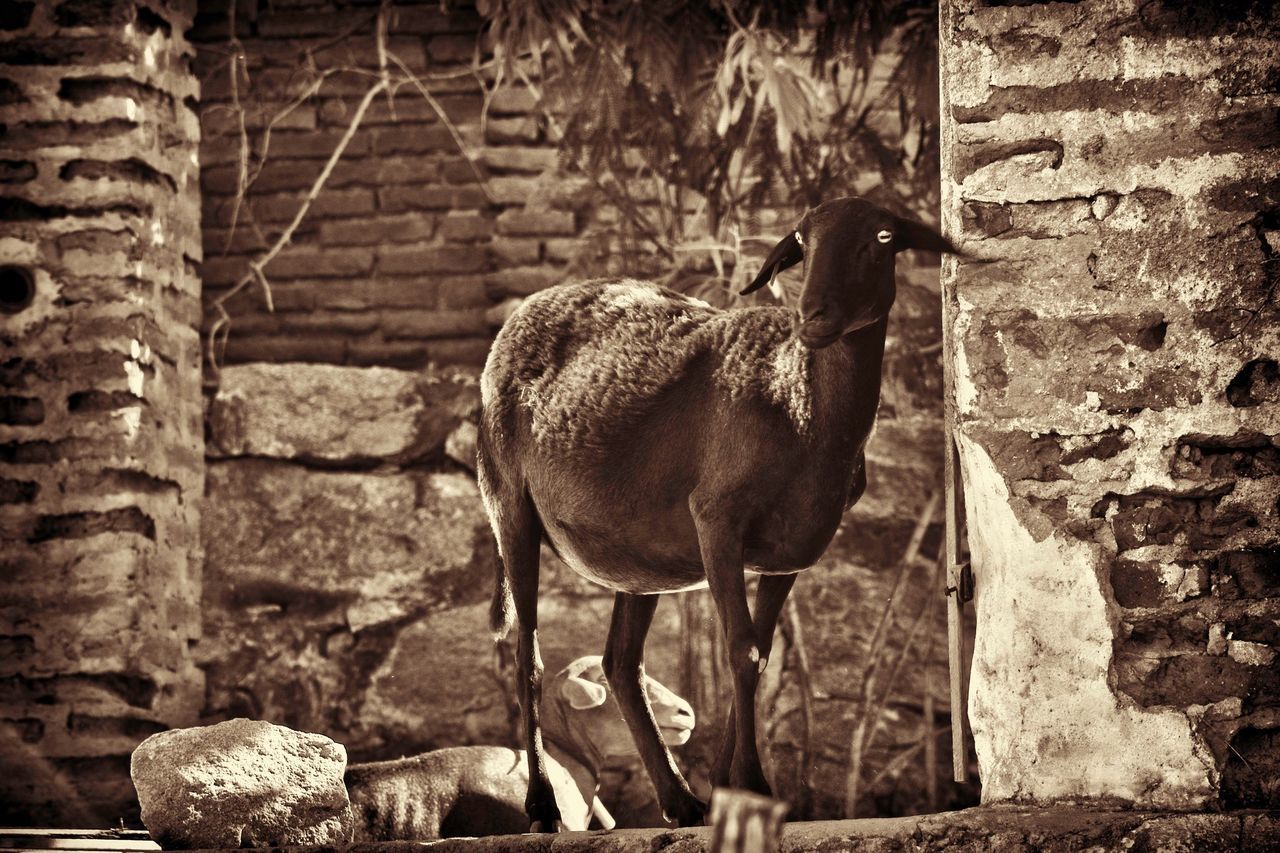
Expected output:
(361, 293)
(537, 222)
(466, 228)
(277, 347)
(460, 170)
(500, 131)
(432, 259)
(563, 249)
(347, 322)
(512, 101)
(522, 281)
(367, 231)
(412, 140)
(515, 189)
(433, 324)
(469, 351)
(520, 158)
(462, 291)
(374, 351)
(400, 198)
(515, 250)
(325, 263)
(430, 19)
(452, 48)
(334, 202)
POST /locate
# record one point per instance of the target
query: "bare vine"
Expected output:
(383, 82)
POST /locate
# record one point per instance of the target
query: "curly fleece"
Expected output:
(579, 356)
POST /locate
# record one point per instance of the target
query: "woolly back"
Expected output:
(587, 359)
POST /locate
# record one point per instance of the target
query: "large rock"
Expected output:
(310, 576)
(242, 783)
(327, 413)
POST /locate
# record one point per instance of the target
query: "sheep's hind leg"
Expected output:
(771, 595)
(624, 669)
(521, 537)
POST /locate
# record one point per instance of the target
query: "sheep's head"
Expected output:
(592, 716)
(848, 246)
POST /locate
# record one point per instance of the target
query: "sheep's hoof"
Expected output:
(691, 812)
(537, 826)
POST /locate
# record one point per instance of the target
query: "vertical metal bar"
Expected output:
(951, 222)
(955, 614)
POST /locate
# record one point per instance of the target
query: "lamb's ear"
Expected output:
(582, 693)
(786, 254)
(909, 234)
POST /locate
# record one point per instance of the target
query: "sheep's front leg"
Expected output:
(771, 595)
(624, 668)
(520, 540)
(720, 540)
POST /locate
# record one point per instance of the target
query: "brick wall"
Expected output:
(1111, 165)
(407, 248)
(101, 444)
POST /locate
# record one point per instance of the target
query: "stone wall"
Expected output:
(1111, 165)
(101, 444)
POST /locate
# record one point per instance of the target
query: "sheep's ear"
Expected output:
(909, 234)
(582, 693)
(786, 254)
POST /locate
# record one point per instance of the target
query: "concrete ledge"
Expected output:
(977, 829)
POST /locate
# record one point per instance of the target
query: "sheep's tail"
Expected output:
(502, 610)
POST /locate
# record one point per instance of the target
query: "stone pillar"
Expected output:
(1111, 166)
(101, 441)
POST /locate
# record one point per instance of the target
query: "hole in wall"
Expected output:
(1257, 382)
(17, 289)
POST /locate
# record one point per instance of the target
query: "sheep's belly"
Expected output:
(626, 565)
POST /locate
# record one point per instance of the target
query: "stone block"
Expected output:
(337, 262)
(509, 131)
(537, 223)
(242, 783)
(432, 259)
(513, 101)
(515, 250)
(522, 281)
(415, 227)
(466, 228)
(306, 411)
(519, 158)
(437, 323)
(402, 198)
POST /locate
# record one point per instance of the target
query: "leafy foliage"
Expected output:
(725, 107)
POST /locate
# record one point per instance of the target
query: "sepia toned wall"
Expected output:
(101, 435)
(1111, 166)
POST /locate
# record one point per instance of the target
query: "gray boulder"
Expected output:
(242, 783)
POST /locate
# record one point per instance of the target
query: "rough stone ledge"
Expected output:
(982, 828)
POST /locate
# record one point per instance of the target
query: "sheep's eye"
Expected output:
(885, 236)
(799, 239)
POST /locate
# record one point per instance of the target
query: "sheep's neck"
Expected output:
(846, 388)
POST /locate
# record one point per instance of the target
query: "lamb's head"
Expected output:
(848, 246)
(592, 719)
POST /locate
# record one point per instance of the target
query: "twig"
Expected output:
(220, 330)
(804, 792)
(860, 739)
(899, 761)
(444, 118)
(242, 180)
